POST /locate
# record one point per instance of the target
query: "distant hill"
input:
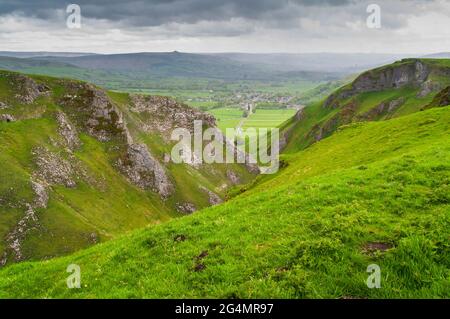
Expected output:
(177, 64)
(141, 71)
(343, 63)
(17, 54)
(441, 55)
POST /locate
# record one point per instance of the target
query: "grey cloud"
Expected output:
(157, 12)
(220, 18)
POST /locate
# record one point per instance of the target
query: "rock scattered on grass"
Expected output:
(186, 208)
(374, 247)
(7, 118)
(180, 238)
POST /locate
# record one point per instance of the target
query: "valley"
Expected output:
(363, 180)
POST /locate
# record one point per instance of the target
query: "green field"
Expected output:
(227, 117)
(263, 118)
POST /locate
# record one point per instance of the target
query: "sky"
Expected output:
(258, 26)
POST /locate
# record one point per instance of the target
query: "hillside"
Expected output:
(81, 165)
(371, 193)
(387, 92)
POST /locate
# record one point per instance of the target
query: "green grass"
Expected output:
(227, 117)
(264, 118)
(300, 234)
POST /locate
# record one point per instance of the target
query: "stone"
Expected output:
(7, 118)
(53, 169)
(41, 199)
(143, 170)
(213, 198)
(233, 177)
(186, 208)
(67, 131)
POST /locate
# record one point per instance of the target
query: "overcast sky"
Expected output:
(407, 26)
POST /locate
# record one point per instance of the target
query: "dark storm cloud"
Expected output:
(158, 12)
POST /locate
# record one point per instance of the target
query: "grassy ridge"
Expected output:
(319, 120)
(306, 233)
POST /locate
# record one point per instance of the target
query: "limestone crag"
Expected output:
(143, 170)
(68, 131)
(168, 114)
(408, 72)
(27, 89)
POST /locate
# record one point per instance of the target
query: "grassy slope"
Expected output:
(302, 234)
(108, 207)
(315, 115)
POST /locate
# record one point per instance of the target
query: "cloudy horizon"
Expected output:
(264, 26)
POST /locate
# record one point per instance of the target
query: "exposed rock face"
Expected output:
(441, 99)
(409, 72)
(214, 199)
(384, 108)
(28, 223)
(143, 170)
(233, 177)
(100, 117)
(104, 121)
(168, 114)
(67, 131)
(41, 199)
(15, 238)
(52, 168)
(28, 89)
(3, 106)
(186, 208)
(428, 87)
(7, 118)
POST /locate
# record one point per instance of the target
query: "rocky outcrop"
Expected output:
(15, 238)
(7, 118)
(3, 106)
(286, 134)
(440, 100)
(41, 199)
(213, 198)
(93, 111)
(186, 208)
(68, 131)
(384, 108)
(168, 114)
(26, 224)
(428, 87)
(143, 170)
(103, 120)
(53, 169)
(27, 89)
(233, 177)
(409, 72)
